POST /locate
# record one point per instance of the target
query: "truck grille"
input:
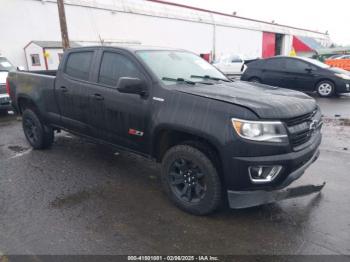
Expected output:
(302, 128)
(300, 119)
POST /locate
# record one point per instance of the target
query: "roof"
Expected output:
(134, 48)
(230, 15)
(52, 44)
(310, 42)
(334, 50)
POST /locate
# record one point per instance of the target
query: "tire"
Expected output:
(325, 88)
(191, 180)
(255, 80)
(38, 135)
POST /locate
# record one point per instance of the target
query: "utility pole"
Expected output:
(63, 24)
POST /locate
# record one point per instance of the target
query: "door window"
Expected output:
(78, 65)
(293, 65)
(114, 66)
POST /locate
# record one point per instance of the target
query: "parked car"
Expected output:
(299, 73)
(343, 57)
(214, 138)
(5, 67)
(334, 56)
(231, 65)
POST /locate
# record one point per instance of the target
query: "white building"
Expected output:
(44, 55)
(149, 22)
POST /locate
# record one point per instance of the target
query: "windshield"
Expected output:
(170, 65)
(315, 62)
(5, 65)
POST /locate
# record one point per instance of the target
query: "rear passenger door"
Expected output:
(72, 81)
(273, 72)
(115, 116)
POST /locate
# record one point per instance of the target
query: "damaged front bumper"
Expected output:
(245, 199)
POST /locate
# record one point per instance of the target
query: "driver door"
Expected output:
(113, 116)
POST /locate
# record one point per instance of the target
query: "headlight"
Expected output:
(343, 76)
(260, 130)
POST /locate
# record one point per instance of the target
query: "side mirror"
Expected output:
(21, 68)
(130, 85)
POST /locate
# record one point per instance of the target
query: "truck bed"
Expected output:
(39, 85)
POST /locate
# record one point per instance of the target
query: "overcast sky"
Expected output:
(322, 15)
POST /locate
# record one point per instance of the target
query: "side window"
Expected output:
(275, 64)
(78, 65)
(236, 59)
(294, 65)
(114, 66)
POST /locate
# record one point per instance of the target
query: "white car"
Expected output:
(231, 65)
(5, 67)
(343, 57)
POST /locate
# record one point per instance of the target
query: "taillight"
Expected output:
(7, 86)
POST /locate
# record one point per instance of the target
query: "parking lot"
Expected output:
(82, 198)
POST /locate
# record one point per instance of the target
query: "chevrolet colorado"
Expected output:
(216, 139)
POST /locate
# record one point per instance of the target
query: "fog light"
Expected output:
(348, 87)
(263, 174)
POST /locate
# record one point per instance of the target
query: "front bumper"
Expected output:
(342, 86)
(244, 199)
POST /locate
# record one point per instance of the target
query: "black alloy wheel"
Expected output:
(187, 180)
(191, 179)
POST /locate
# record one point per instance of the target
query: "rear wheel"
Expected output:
(38, 135)
(325, 88)
(191, 180)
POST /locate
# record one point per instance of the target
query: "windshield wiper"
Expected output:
(211, 78)
(179, 80)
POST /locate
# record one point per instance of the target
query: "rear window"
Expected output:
(78, 65)
(255, 64)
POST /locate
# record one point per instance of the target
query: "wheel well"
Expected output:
(324, 79)
(24, 103)
(254, 77)
(169, 138)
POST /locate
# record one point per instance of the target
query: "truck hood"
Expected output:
(267, 102)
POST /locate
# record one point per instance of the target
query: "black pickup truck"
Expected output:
(216, 139)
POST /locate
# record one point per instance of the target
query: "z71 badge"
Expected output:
(135, 132)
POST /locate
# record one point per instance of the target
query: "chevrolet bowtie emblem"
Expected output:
(313, 125)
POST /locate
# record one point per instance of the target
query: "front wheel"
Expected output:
(38, 135)
(191, 180)
(325, 89)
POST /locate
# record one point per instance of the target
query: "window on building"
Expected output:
(35, 58)
(114, 66)
(78, 65)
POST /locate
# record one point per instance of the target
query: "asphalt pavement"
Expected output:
(82, 198)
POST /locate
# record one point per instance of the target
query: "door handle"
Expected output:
(64, 89)
(98, 96)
